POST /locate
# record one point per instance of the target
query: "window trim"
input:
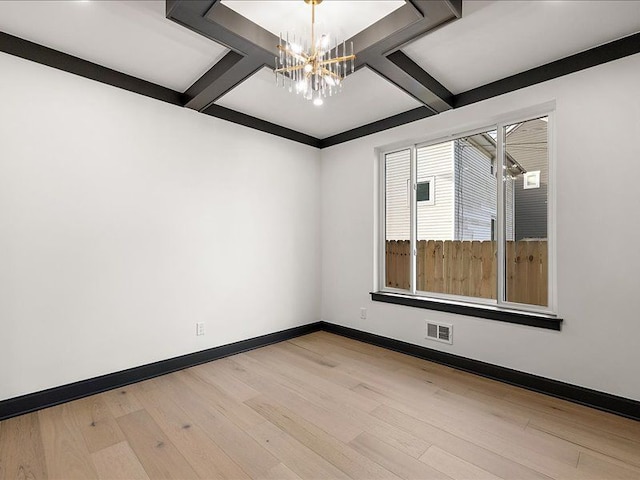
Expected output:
(436, 299)
(490, 312)
(534, 173)
(431, 181)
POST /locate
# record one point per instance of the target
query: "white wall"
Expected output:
(125, 220)
(597, 236)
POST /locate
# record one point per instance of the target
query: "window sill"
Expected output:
(539, 320)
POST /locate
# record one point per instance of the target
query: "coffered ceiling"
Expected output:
(342, 19)
(415, 58)
(131, 37)
(496, 39)
(258, 96)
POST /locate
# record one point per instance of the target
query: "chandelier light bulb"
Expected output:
(301, 86)
(307, 68)
(317, 101)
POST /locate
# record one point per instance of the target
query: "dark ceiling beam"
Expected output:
(240, 33)
(378, 126)
(455, 6)
(240, 118)
(220, 78)
(251, 48)
(371, 38)
(83, 68)
(378, 47)
(399, 69)
(608, 52)
(388, 34)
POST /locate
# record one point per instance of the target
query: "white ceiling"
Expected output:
(338, 18)
(495, 39)
(132, 37)
(492, 40)
(259, 97)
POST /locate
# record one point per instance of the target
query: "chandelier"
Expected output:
(314, 70)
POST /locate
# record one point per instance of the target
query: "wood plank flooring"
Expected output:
(320, 407)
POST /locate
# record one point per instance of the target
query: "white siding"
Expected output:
(435, 222)
(509, 198)
(398, 214)
(527, 144)
(475, 192)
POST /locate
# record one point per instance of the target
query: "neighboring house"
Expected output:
(528, 144)
(456, 189)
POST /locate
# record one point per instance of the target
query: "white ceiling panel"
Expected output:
(366, 97)
(339, 18)
(132, 37)
(496, 39)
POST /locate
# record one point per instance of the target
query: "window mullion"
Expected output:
(501, 215)
(414, 219)
(382, 234)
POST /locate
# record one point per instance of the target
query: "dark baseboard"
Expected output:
(591, 398)
(47, 398)
(65, 393)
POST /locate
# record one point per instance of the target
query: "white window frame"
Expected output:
(500, 303)
(432, 190)
(535, 176)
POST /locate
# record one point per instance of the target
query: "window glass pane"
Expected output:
(455, 235)
(423, 192)
(526, 183)
(398, 219)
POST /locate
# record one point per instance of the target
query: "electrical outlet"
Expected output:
(200, 328)
(363, 313)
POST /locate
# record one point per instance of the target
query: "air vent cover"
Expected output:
(442, 332)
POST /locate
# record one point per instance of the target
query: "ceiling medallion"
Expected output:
(314, 70)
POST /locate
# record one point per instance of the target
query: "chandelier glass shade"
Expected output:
(313, 69)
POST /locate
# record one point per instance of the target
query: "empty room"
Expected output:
(319, 239)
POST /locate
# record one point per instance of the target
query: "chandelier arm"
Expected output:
(289, 69)
(326, 71)
(303, 57)
(337, 60)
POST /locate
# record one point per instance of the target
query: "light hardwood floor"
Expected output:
(320, 406)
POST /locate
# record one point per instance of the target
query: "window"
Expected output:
(486, 241)
(532, 179)
(424, 191)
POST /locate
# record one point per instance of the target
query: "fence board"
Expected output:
(447, 267)
(510, 267)
(421, 260)
(470, 268)
(465, 270)
(520, 272)
(438, 274)
(475, 270)
(533, 273)
(544, 274)
(429, 266)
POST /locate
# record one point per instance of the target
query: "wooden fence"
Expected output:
(470, 268)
